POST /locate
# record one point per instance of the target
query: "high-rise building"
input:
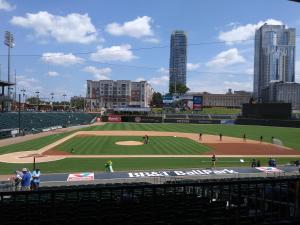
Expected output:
(178, 59)
(274, 59)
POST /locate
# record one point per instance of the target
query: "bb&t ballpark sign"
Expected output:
(174, 173)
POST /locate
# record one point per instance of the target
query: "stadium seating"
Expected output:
(32, 121)
(232, 201)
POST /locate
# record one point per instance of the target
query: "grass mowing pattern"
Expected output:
(289, 136)
(35, 144)
(105, 145)
(129, 164)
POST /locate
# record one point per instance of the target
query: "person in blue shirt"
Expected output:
(25, 182)
(35, 182)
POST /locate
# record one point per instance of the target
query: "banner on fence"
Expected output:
(81, 177)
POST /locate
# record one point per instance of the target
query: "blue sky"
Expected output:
(62, 43)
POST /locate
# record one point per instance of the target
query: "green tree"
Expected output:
(180, 89)
(34, 100)
(77, 103)
(157, 100)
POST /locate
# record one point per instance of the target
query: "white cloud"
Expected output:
(226, 58)
(30, 84)
(163, 70)
(99, 73)
(72, 28)
(137, 28)
(6, 6)
(250, 71)
(193, 66)
(244, 32)
(61, 59)
(52, 74)
(114, 53)
(140, 79)
(163, 80)
(26, 82)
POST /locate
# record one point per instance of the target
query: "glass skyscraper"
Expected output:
(274, 59)
(178, 59)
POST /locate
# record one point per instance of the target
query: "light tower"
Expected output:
(9, 42)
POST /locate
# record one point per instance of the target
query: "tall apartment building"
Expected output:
(274, 59)
(117, 94)
(178, 59)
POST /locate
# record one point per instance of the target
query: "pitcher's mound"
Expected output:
(129, 143)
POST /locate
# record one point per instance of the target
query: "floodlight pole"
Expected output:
(9, 42)
(19, 113)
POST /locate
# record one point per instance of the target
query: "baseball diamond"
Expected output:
(168, 144)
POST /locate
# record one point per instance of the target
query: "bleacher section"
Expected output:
(32, 121)
(230, 201)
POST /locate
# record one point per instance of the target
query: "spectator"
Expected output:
(17, 179)
(26, 177)
(253, 164)
(35, 182)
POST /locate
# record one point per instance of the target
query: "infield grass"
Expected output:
(106, 145)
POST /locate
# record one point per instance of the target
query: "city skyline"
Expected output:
(53, 54)
(274, 59)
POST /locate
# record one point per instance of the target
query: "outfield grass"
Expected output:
(289, 136)
(105, 145)
(34, 144)
(129, 164)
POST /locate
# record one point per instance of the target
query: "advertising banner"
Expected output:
(81, 177)
(114, 118)
(197, 102)
(192, 121)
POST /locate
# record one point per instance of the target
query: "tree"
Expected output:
(180, 89)
(157, 100)
(77, 103)
(34, 100)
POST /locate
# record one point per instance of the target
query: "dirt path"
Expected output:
(228, 147)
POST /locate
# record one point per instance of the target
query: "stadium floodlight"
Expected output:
(52, 98)
(9, 42)
(64, 95)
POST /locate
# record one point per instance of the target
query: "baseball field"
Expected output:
(169, 146)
